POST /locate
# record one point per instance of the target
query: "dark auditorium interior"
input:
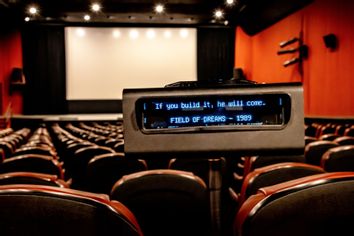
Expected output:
(176, 117)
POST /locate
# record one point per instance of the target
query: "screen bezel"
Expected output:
(213, 128)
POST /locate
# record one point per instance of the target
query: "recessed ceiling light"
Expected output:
(27, 19)
(32, 10)
(87, 17)
(218, 14)
(159, 8)
(230, 2)
(95, 7)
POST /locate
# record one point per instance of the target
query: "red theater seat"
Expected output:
(344, 140)
(254, 162)
(35, 150)
(315, 150)
(320, 204)
(105, 170)
(309, 139)
(275, 174)
(32, 178)
(166, 202)
(349, 131)
(33, 163)
(79, 163)
(338, 159)
(35, 210)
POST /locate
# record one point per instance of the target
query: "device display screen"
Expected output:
(256, 111)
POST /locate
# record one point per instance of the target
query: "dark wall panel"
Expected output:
(44, 67)
(215, 53)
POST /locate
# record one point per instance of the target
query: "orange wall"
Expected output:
(328, 76)
(10, 57)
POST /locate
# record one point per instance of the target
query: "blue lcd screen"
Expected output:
(203, 112)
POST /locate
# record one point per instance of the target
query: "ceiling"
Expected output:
(189, 12)
(252, 15)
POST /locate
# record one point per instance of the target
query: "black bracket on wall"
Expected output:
(301, 49)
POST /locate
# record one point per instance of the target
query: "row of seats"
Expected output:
(127, 190)
(317, 130)
(316, 151)
(35, 199)
(319, 204)
(180, 187)
(202, 169)
(313, 154)
(101, 172)
(329, 156)
(28, 151)
(327, 211)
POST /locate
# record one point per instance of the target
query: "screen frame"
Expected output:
(212, 128)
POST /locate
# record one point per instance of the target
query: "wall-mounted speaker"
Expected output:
(330, 41)
(17, 79)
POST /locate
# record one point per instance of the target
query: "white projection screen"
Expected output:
(100, 62)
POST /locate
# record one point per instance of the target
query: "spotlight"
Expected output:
(159, 8)
(87, 17)
(32, 10)
(230, 2)
(218, 14)
(95, 7)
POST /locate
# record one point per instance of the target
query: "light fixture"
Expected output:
(190, 19)
(27, 18)
(32, 10)
(159, 8)
(87, 17)
(230, 2)
(95, 7)
(218, 14)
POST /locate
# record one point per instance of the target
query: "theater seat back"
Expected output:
(166, 202)
(34, 210)
(319, 204)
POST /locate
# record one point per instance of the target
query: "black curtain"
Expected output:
(215, 53)
(44, 68)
